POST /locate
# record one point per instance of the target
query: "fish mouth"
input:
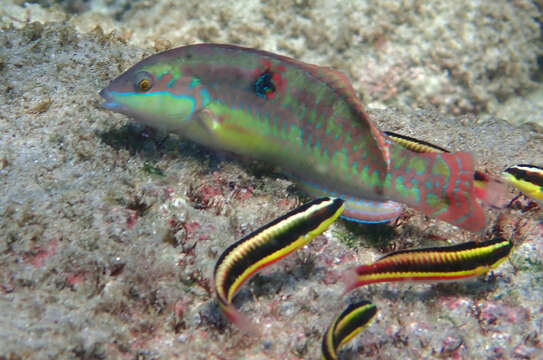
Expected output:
(110, 104)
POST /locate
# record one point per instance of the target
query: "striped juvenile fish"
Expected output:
(303, 118)
(350, 322)
(413, 144)
(267, 245)
(527, 178)
(432, 264)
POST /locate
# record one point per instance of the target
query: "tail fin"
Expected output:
(458, 205)
(490, 190)
(238, 319)
(438, 184)
(350, 280)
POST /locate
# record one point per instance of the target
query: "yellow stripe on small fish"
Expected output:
(526, 178)
(415, 145)
(446, 263)
(267, 245)
(350, 322)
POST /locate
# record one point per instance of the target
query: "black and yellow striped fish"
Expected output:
(267, 245)
(350, 322)
(526, 178)
(445, 263)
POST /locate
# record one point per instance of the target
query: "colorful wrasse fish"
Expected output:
(267, 245)
(446, 263)
(490, 190)
(345, 326)
(302, 117)
(527, 178)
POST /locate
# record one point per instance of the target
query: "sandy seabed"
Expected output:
(110, 231)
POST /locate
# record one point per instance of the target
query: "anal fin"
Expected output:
(369, 211)
(357, 209)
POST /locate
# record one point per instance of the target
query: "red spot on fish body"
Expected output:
(273, 75)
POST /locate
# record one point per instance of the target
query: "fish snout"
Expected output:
(110, 104)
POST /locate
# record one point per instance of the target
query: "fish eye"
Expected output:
(144, 82)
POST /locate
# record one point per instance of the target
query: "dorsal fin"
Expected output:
(338, 81)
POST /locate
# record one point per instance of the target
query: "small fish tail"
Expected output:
(490, 190)
(238, 319)
(350, 280)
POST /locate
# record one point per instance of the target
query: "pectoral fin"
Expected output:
(208, 121)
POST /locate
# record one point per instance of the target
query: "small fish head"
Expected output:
(154, 93)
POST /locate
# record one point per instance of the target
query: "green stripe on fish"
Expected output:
(304, 118)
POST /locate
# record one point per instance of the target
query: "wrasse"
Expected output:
(490, 190)
(432, 264)
(267, 245)
(350, 322)
(304, 118)
(528, 179)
